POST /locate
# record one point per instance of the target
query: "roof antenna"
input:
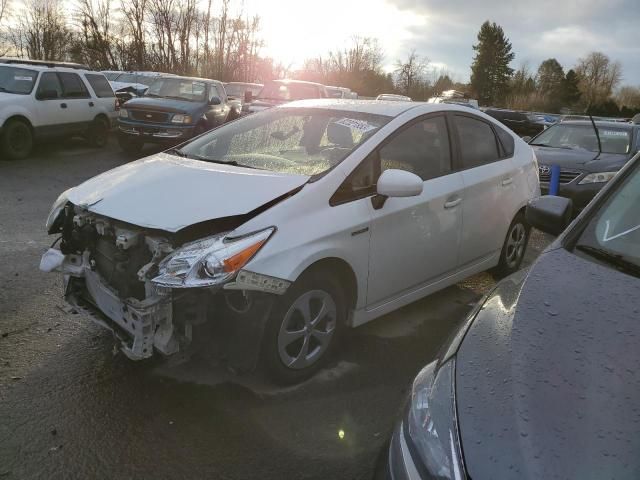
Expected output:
(597, 136)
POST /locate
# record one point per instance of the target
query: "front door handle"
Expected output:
(91, 104)
(507, 181)
(453, 203)
(63, 105)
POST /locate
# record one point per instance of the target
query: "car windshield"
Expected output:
(135, 78)
(613, 140)
(178, 88)
(613, 234)
(17, 80)
(287, 140)
(288, 91)
(238, 89)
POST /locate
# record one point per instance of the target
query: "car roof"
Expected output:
(287, 81)
(244, 83)
(195, 79)
(374, 107)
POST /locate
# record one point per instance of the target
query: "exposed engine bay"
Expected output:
(108, 269)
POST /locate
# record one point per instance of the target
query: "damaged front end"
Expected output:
(149, 287)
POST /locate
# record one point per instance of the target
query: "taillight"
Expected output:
(117, 104)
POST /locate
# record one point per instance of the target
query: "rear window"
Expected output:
(73, 86)
(477, 142)
(506, 140)
(100, 86)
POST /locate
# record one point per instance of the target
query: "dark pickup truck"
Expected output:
(173, 110)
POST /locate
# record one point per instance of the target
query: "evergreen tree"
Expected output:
(490, 71)
(551, 84)
(571, 89)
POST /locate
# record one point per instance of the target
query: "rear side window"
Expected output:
(506, 140)
(49, 82)
(100, 85)
(73, 86)
(478, 144)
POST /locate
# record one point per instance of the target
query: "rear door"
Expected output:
(104, 98)
(415, 240)
(77, 100)
(488, 174)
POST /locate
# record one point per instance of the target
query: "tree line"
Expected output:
(218, 39)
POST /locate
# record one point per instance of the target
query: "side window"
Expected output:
(73, 86)
(49, 83)
(422, 148)
(360, 183)
(214, 91)
(100, 85)
(508, 144)
(478, 144)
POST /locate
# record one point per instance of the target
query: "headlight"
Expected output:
(57, 207)
(209, 262)
(601, 177)
(124, 113)
(432, 421)
(181, 119)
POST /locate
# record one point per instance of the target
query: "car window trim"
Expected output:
(462, 168)
(376, 151)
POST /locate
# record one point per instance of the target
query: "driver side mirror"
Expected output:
(549, 213)
(215, 101)
(248, 96)
(47, 95)
(395, 183)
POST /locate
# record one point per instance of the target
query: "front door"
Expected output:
(415, 240)
(53, 114)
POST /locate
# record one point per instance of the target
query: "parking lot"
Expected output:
(71, 408)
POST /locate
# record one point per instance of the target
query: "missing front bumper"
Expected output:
(140, 325)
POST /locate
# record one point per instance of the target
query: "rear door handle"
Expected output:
(63, 105)
(507, 181)
(453, 203)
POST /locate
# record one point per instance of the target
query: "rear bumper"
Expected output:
(155, 133)
(581, 195)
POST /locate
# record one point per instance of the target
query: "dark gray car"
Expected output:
(585, 166)
(543, 378)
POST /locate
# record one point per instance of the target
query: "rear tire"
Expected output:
(303, 328)
(98, 134)
(514, 248)
(130, 146)
(16, 140)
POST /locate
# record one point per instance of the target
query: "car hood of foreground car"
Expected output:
(169, 193)
(547, 376)
(580, 159)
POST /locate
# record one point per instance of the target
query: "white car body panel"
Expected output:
(409, 248)
(9, 107)
(169, 193)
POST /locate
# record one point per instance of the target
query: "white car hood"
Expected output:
(169, 193)
(116, 86)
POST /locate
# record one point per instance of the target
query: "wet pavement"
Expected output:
(70, 408)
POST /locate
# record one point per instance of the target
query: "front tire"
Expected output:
(16, 140)
(514, 247)
(303, 328)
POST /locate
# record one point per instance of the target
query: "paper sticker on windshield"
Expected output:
(360, 125)
(613, 133)
(24, 79)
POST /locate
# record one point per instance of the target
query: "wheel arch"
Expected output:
(344, 274)
(20, 118)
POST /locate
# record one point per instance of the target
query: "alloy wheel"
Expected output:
(516, 242)
(307, 329)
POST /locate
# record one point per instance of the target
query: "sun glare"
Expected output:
(295, 30)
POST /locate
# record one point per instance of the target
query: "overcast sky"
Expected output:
(445, 30)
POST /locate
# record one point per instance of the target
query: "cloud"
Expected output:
(563, 29)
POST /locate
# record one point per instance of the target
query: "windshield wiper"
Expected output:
(183, 154)
(616, 259)
(551, 146)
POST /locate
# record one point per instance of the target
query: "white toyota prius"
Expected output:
(285, 227)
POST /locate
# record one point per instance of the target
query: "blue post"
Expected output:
(554, 183)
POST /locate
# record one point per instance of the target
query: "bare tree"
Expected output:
(410, 73)
(134, 18)
(42, 32)
(599, 76)
(97, 44)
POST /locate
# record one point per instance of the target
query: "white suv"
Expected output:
(287, 226)
(41, 100)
